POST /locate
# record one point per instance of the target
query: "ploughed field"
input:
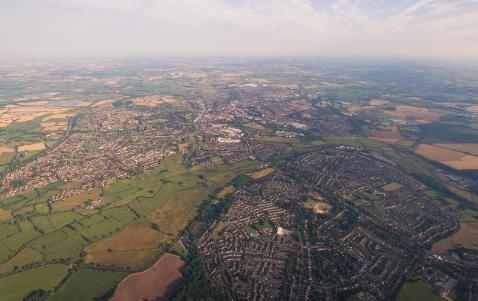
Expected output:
(155, 283)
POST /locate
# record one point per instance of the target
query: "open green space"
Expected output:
(19, 285)
(416, 291)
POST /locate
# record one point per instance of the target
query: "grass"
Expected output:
(86, 285)
(416, 291)
(19, 285)
(370, 196)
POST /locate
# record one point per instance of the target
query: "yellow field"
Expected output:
(261, 173)
(5, 215)
(466, 237)
(154, 100)
(6, 150)
(225, 191)
(104, 103)
(54, 126)
(378, 102)
(59, 116)
(32, 147)
(77, 200)
(450, 157)
(12, 114)
(473, 109)
(391, 186)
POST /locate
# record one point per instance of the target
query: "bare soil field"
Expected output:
(466, 237)
(418, 115)
(104, 103)
(450, 157)
(470, 148)
(6, 150)
(378, 102)
(472, 109)
(156, 283)
(465, 163)
(32, 147)
(436, 153)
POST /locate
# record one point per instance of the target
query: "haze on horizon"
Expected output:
(86, 28)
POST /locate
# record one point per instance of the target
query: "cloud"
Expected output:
(239, 27)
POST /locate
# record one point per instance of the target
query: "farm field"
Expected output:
(19, 285)
(97, 283)
(139, 218)
(466, 237)
(155, 283)
(415, 114)
(453, 155)
(416, 291)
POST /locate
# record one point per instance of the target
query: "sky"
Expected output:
(160, 28)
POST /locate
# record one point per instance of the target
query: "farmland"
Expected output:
(157, 282)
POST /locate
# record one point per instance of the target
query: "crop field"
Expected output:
(391, 186)
(138, 219)
(378, 102)
(416, 291)
(261, 173)
(97, 283)
(418, 115)
(19, 285)
(155, 283)
(451, 155)
(389, 136)
(466, 237)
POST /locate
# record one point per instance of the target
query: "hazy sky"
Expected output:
(66, 28)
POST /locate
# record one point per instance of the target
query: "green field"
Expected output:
(17, 286)
(33, 234)
(416, 291)
(86, 285)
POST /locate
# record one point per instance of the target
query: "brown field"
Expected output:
(39, 103)
(135, 246)
(156, 283)
(54, 126)
(466, 237)
(470, 148)
(378, 102)
(5, 215)
(104, 103)
(6, 150)
(152, 101)
(465, 163)
(391, 136)
(436, 153)
(331, 85)
(472, 109)
(452, 158)
(419, 115)
(261, 173)
(190, 74)
(32, 147)
(59, 116)
(12, 114)
(391, 186)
